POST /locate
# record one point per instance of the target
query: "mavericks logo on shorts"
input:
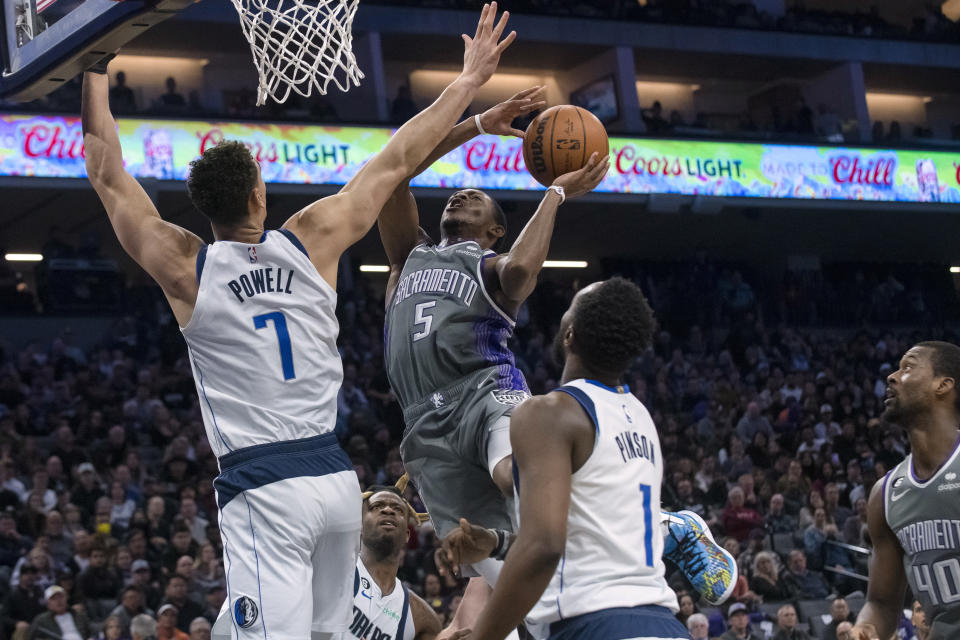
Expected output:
(511, 397)
(245, 612)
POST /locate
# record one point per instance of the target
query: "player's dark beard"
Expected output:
(454, 228)
(383, 546)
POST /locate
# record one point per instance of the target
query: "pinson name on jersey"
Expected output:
(451, 281)
(634, 446)
(265, 280)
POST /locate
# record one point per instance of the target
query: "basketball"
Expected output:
(561, 140)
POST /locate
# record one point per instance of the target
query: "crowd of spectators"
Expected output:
(107, 511)
(740, 14)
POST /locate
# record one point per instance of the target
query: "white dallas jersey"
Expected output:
(263, 343)
(376, 616)
(614, 542)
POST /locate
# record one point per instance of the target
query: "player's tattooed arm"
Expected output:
(165, 251)
(888, 583)
(516, 272)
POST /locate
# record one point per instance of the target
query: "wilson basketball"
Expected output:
(561, 140)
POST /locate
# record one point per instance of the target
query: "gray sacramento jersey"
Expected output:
(442, 325)
(925, 517)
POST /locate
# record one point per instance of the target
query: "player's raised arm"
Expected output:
(878, 618)
(164, 250)
(333, 224)
(399, 220)
(517, 270)
(544, 431)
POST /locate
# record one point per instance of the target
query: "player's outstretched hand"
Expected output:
(497, 120)
(577, 183)
(864, 632)
(465, 545)
(482, 52)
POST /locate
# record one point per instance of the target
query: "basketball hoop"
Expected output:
(300, 45)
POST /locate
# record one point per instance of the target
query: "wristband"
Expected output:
(559, 190)
(503, 544)
(476, 120)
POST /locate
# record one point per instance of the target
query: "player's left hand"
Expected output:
(465, 545)
(496, 120)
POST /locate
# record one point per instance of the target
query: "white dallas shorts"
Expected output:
(290, 523)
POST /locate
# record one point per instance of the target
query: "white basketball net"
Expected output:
(300, 45)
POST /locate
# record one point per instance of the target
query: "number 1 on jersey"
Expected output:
(283, 337)
(647, 523)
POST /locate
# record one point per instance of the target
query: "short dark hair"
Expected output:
(612, 325)
(500, 219)
(221, 180)
(945, 361)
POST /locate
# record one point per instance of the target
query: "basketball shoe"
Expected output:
(689, 544)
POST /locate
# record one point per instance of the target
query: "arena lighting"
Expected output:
(565, 264)
(23, 257)
(951, 9)
(954, 269)
(374, 268)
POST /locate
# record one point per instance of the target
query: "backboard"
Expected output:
(47, 42)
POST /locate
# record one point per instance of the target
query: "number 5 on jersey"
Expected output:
(421, 318)
(283, 337)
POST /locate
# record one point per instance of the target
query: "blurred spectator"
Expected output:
(172, 100)
(112, 629)
(99, 581)
(131, 605)
(196, 523)
(919, 622)
(58, 621)
(21, 605)
(699, 627)
(653, 119)
(855, 530)
(738, 519)
(778, 520)
(787, 625)
(753, 422)
(122, 100)
(176, 594)
(88, 491)
(766, 581)
(805, 583)
(143, 627)
(839, 614)
(13, 545)
(200, 629)
(893, 134)
(167, 624)
(738, 624)
(687, 607)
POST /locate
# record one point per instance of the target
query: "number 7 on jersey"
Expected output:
(283, 337)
